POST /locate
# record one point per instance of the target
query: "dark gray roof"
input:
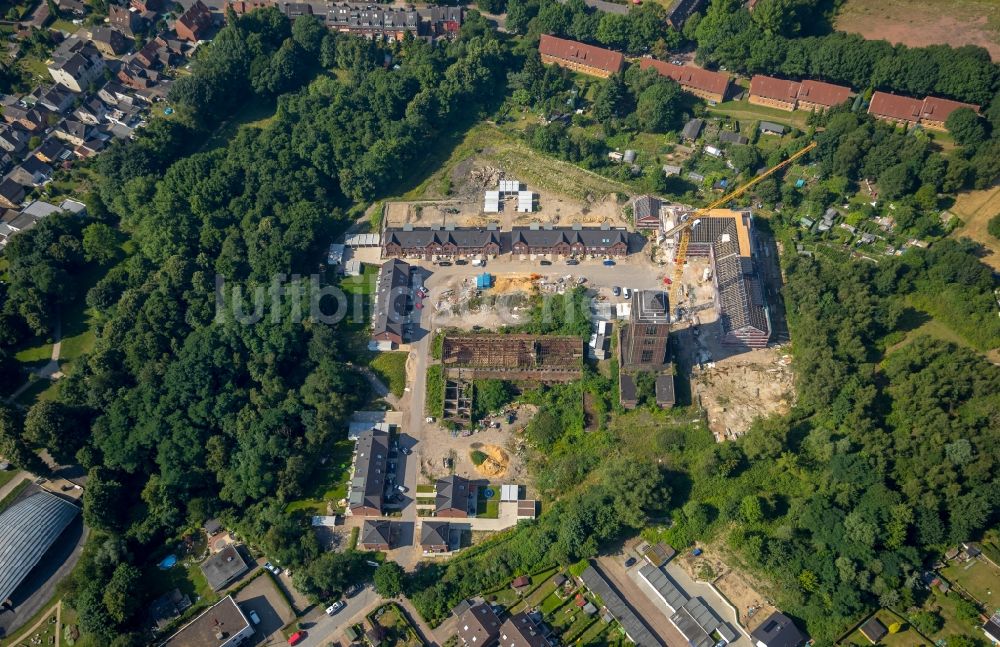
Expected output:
(392, 297)
(730, 137)
(224, 616)
(27, 530)
(874, 630)
(634, 628)
(665, 390)
(692, 129)
(376, 531)
(11, 190)
(778, 631)
(691, 616)
(434, 533)
(521, 631)
(452, 492)
(479, 626)
(370, 466)
(224, 567)
(646, 207)
(770, 125)
(626, 386)
(591, 238)
(368, 18)
(424, 237)
(650, 307)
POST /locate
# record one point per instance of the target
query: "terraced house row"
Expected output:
(461, 242)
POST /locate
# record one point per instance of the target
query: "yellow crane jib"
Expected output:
(693, 220)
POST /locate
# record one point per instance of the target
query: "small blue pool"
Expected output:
(489, 493)
(167, 563)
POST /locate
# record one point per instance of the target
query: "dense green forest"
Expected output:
(195, 414)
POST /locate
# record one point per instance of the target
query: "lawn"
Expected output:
(434, 403)
(256, 113)
(37, 634)
(329, 484)
(747, 112)
(7, 500)
(975, 209)
(391, 369)
(488, 507)
(39, 352)
(980, 578)
(185, 576)
(905, 637)
(399, 632)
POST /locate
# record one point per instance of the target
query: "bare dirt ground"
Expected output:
(753, 607)
(739, 389)
(507, 440)
(464, 207)
(495, 466)
(917, 24)
(975, 208)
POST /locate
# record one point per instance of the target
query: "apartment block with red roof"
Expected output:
(930, 113)
(580, 57)
(705, 84)
(818, 96)
(936, 110)
(770, 92)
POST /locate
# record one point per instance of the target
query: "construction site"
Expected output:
(517, 358)
(465, 207)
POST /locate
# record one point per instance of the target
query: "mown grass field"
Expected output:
(391, 369)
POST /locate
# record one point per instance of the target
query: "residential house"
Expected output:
(160, 52)
(478, 625)
(126, 20)
(778, 631)
(569, 241)
(222, 625)
(935, 111)
(54, 98)
(705, 84)
(453, 497)
(519, 630)
(371, 458)
(378, 534)
(33, 120)
(148, 6)
(110, 42)
(646, 212)
(91, 111)
(447, 21)
(434, 536)
(241, 7)
(13, 139)
(224, 567)
(41, 16)
(72, 8)
(194, 24)
(773, 93)
(391, 23)
(11, 194)
(818, 96)
(448, 242)
(392, 302)
(32, 172)
(681, 10)
(895, 108)
(137, 78)
(114, 93)
(580, 57)
(74, 132)
(76, 65)
(664, 391)
(874, 630)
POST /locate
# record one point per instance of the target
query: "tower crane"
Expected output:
(688, 225)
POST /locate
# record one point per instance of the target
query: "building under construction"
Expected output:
(725, 237)
(518, 358)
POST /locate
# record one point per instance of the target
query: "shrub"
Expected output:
(478, 457)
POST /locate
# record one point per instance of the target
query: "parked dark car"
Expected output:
(546, 263)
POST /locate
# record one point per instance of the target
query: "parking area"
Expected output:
(260, 598)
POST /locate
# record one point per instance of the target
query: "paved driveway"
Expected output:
(614, 569)
(262, 597)
(322, 629)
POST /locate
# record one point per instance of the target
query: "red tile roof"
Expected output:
(825, 94)
(695, 77)
(938, 109)
(570, 50)
(772, 88)
(894, 106)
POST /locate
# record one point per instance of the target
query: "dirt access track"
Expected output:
(918, 23)
(975, 208)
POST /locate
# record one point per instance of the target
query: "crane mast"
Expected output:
(693, 220)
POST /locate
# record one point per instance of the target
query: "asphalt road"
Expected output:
(322, 629)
